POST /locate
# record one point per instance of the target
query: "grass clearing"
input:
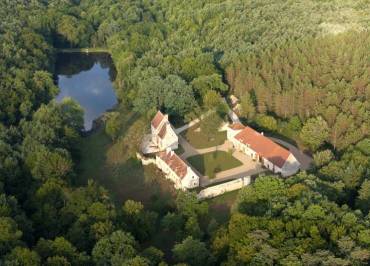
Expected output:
(200, 141)
(221, 206)
(211, 163)
(125, 177)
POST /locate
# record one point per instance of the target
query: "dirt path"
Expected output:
(192, 123)
(191, 151)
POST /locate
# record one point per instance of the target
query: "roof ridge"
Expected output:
(263, 146)
(175, 163)
(157, 119)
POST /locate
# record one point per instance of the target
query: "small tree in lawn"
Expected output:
(210, 125)
(113, 125)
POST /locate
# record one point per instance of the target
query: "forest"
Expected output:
(302, 71)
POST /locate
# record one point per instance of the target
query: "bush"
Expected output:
(113, 125)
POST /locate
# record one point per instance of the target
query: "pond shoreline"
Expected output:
(88, 79)
(99, 122)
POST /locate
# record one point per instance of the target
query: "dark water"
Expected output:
(87, 78)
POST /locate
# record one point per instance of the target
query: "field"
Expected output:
(210, 164)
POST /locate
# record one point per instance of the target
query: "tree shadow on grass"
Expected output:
(198, 162)
(125, 178)
(132, 180)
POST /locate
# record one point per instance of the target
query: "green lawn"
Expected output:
(180, 150)
(200, 141)
(210, 164)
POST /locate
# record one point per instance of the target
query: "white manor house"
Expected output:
(163, 140)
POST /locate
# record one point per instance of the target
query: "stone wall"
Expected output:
(220, 189)
(145, 161)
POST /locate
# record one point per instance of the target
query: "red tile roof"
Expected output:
(163, 131)
(236, 126)
(157, 119)
(263, 146)
(174, 162)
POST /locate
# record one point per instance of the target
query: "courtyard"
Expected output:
(217, 163)
(206, 148)
(211, 163)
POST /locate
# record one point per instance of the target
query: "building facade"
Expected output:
(162, 142)
(163, 135)
(262, 149)
(176, 170)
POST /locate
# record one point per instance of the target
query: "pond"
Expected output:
(87, 78)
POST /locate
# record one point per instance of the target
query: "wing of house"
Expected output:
(260, 148)
(163, 134)
(177, 170)
(162, 141)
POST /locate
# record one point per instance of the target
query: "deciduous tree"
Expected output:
(314, 132)
(193, 252)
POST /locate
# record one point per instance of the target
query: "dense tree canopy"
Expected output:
(315, 79)
(289, 223)
(300, 69)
